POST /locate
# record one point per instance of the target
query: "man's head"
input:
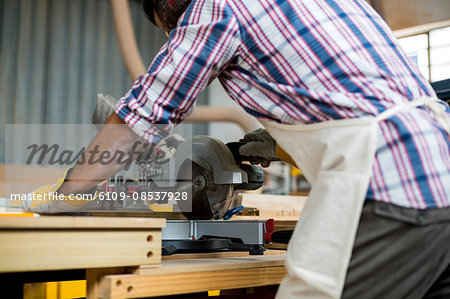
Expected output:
(165, 13)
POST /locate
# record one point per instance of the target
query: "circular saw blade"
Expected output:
(206, 199)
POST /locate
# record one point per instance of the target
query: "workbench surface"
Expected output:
(122, 258)
(70, 222)
(67, 242)
(189, 275)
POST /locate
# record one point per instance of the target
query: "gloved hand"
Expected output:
(103, 110)
(46, 200)
(260, 144)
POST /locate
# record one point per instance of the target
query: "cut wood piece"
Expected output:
(196, 275)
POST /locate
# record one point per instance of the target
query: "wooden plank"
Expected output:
(216, 254)
(277, 215)
(189, 278)
(269, 202)
(212, 264)
(184, 283)
(285, 207)
(37, 250)
(68, 222)
(129, 213)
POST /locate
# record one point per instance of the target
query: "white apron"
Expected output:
(336, 158)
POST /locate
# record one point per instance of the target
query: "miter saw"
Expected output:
(204, 173)
(198, 176)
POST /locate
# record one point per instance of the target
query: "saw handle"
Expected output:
(234, 148)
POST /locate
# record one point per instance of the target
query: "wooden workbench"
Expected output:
(60, 243)
(121, 257)
(183, 274)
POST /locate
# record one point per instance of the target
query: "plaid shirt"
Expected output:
(307, 61)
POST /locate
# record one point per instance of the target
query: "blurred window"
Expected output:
(431, 52)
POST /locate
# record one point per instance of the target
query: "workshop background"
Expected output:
(56, 55)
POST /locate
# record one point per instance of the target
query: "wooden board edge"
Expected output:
(134, 286)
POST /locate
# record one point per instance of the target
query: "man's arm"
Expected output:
(164, 95)
(115, 136)
(198, 50)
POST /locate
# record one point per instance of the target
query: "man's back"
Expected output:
(322, 59)
(315, 60)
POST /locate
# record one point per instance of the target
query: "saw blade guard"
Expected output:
(207, 171)
(213, 152)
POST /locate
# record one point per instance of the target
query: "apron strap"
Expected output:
(436, 107)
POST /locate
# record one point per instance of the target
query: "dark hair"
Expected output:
(168, 11)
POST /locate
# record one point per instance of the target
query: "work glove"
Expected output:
(261, 145)
(103, 110)
(46, 200)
